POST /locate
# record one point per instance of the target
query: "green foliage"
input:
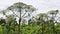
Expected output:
(30, 29)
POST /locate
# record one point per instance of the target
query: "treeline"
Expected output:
(43, 23)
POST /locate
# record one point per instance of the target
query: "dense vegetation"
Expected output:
(43, 23)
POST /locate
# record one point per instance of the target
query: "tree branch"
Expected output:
(15, 15)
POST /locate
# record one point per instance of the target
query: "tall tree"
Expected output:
(53, 13)
(42, 17)
(22, 9)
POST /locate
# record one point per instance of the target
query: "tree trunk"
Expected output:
(19, 23)
(42, 26)
(53, 24)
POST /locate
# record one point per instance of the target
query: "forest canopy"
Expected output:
(42, 23)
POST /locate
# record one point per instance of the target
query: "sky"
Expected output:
(42, 6)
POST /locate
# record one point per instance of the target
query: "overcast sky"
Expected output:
(41, 5)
